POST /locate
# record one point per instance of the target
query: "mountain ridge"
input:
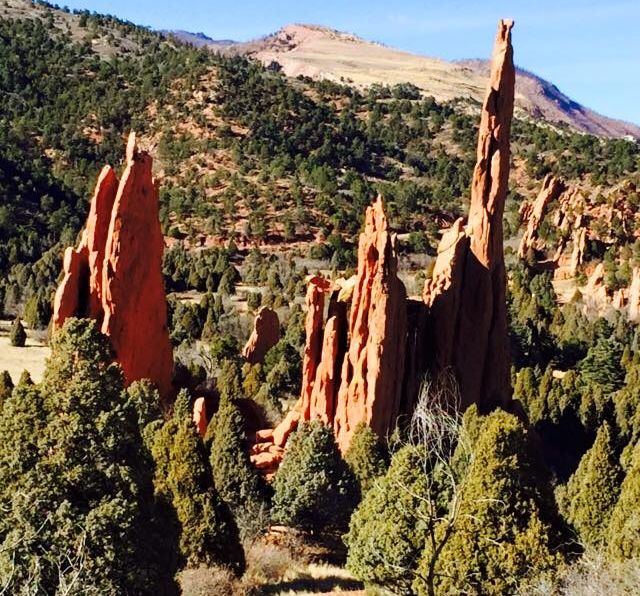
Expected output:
(321, 52)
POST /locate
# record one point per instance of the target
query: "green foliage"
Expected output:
(365, 457)
(602, 365)
(313, 488)
(76, 482)
(6, 386)
(37, 311)
(386, 534)
(623, 533)
(183, 477)
(235, 478)
(508, 529)
(17, 335)
(592, 491)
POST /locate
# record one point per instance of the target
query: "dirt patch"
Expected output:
(31, 358)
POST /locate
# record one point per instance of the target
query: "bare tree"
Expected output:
(438, 437)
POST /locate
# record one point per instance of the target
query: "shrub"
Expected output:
(592, 491)
(183, 477)
(365, 457)
(385, 536)
(77, 497)
(313, 488)
(235, 479)
(508, 529)
(17, 335)
(623, 533)
(6, 386)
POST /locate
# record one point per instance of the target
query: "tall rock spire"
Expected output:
(467, 295)
(115, 275)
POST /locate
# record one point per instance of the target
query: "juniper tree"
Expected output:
(365, 457)
(591, 493)
(623, 533)
(183, 477)
(313, 488)
(17, 334)
(78, 504)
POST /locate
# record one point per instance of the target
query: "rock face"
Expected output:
(467, 295)
(115, 274)
(533, 214)
(373, 368)
(369, 367)
(634, 296)
(265, 335)
(200, 416)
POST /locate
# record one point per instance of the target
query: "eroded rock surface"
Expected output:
(265, 335)
(115, 274)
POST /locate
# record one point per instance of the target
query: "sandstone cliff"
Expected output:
(265, 335)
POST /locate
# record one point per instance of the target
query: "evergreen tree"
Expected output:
(386, 535)
(623, 533)
(17, 335)
(6, 386)
(365, 457)
(508, 529)
(313, 488)
(78, 505)
(183, 477)
(592, 491)
(236, 480)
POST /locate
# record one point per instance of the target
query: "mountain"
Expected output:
(200, 39)
(322, 53)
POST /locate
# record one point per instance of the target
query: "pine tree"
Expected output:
(623, 533)
(17, 335)
(508, 529)
(365, 457)
(313, 488)
(386, 535)
(591, 493)
(183, 477)
(79, 503)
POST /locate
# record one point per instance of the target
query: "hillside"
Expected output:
(322, 53)
(309, 337)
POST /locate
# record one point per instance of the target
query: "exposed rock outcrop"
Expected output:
(265, 335)
(373, 368)
(533, 213)
(107, 279)
(467, 295)
(200, 415)
(389, 342)
(634, 296)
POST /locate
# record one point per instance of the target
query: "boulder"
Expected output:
(265, 335)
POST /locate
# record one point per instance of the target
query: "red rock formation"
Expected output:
(200, 416)
(265, 335)
(115, 274)
(579, 245)
(372, 372)
(634, 296)
(467, 295)
(80, 292)
(551, 189)
(461, 323)
(313, 345)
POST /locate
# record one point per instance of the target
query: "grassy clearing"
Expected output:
(32, 357)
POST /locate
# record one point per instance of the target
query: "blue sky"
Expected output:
(589, 48)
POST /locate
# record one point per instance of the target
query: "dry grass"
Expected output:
(32, 357)
(271, 571)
